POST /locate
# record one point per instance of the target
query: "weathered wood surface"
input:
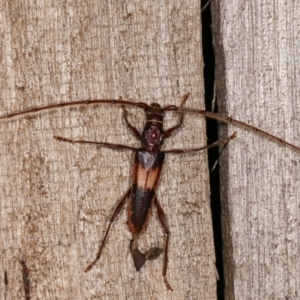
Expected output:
(56, 198)
(257, 46)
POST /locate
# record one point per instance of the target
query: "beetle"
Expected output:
(148, 163)
(147, 168)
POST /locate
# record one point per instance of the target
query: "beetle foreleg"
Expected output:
(131, 127)
(173, 130)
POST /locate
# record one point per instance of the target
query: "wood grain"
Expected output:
(257, 47)
(56, 197)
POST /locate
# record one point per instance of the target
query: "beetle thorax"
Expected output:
(153, 136)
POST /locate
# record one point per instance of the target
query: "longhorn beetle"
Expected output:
(148, 163)
(147, 167)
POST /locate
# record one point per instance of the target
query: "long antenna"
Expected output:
(143, 105)
(75, 103)
(228, 120)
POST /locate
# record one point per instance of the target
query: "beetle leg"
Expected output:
(164, 223)
(103, 144)
(114, 215)
(216, 144)
(131, 127)
(172, 130)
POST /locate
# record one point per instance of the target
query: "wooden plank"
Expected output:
(257, 47)
(57, 198)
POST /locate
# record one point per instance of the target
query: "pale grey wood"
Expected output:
(57, 198)
(257, 46)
